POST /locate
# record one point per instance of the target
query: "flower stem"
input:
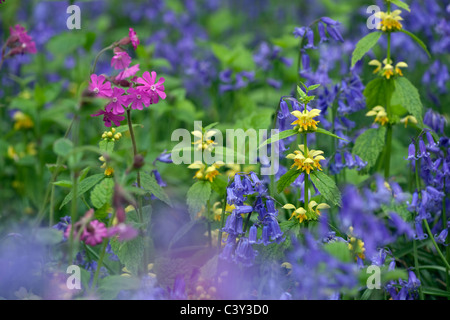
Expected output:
(427, 226)
(99, 54)
(99, 263)
(305, 138)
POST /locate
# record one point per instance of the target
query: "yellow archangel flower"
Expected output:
(389, 21)
(217, 210)
(356, 245)
(109, 171)
(305, 120)
(306, 160)
(380, 115)
(301, 214)
(204, 141)
(206, 172)
(111, 135)
(22, 121)
(388, 70)
(407, 119)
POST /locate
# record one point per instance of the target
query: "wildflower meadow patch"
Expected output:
(224, 150)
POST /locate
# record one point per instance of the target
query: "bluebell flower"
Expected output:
(420, 235)
(442, 237)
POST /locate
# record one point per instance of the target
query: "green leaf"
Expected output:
(109, 287)
(62, 147)
(301, 92)
(130, 253)
(320, 130)
(375, 93)
(401, 4)
(287, 179)
(150, 185)
(313, 87)
(219, 185)
(106, 145)
(435, 292)
(418, 41)
(83, 187)
(364, 45)
(65, 43)
(63, 183)
(369, 145)
(102, 193)
(327, 187)
(279, 136)
(339, 250)
(197, 196)
(409, 98)
(126, 128)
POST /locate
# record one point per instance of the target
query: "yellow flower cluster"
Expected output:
(380, 115)
(389, 21)
(407, 119)
(356, 246)
(22, 121)
(305, 120)
(30, 150)
(306, 160)
(205, 172)
(204, 141)
(312, 213)
(388, 70)
(111, 135)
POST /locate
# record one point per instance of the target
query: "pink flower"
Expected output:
(20, 41)
(134, 38)
(101, 89)
(155, 89)
(118, 101)
(139, 98)
(109, 117)
(123, 231)
(128, 72)
(94, 233)
(121, 60)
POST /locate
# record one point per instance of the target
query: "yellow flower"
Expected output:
(22, 121)
(306, 160)
(12, 153)
(299, 213)
(109, 171)
(204, 172)
(204, 141)
(31, 149)
(407, 119)
(399, 65)
(380, 115)
(388, 71)
(311, 214)
(390, 21)
(111, 135)
(305, 120)
(375, 63)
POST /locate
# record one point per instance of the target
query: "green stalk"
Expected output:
(222, 221)
(441, 255)
(416, 256)
(100, 263)
(306, 175)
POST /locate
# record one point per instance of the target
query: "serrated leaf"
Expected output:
(150, 185)
(102, 193)
(287, 179)
(219, 185)
(279, 136)
(369, 145)
(62, 147)
(197, 196)
(83, 187)
(327, 187)
(418, 41)
(375, 93)
(364, 45)
(106, 145)
(130, 252)
(409, 98)
(109, 287)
